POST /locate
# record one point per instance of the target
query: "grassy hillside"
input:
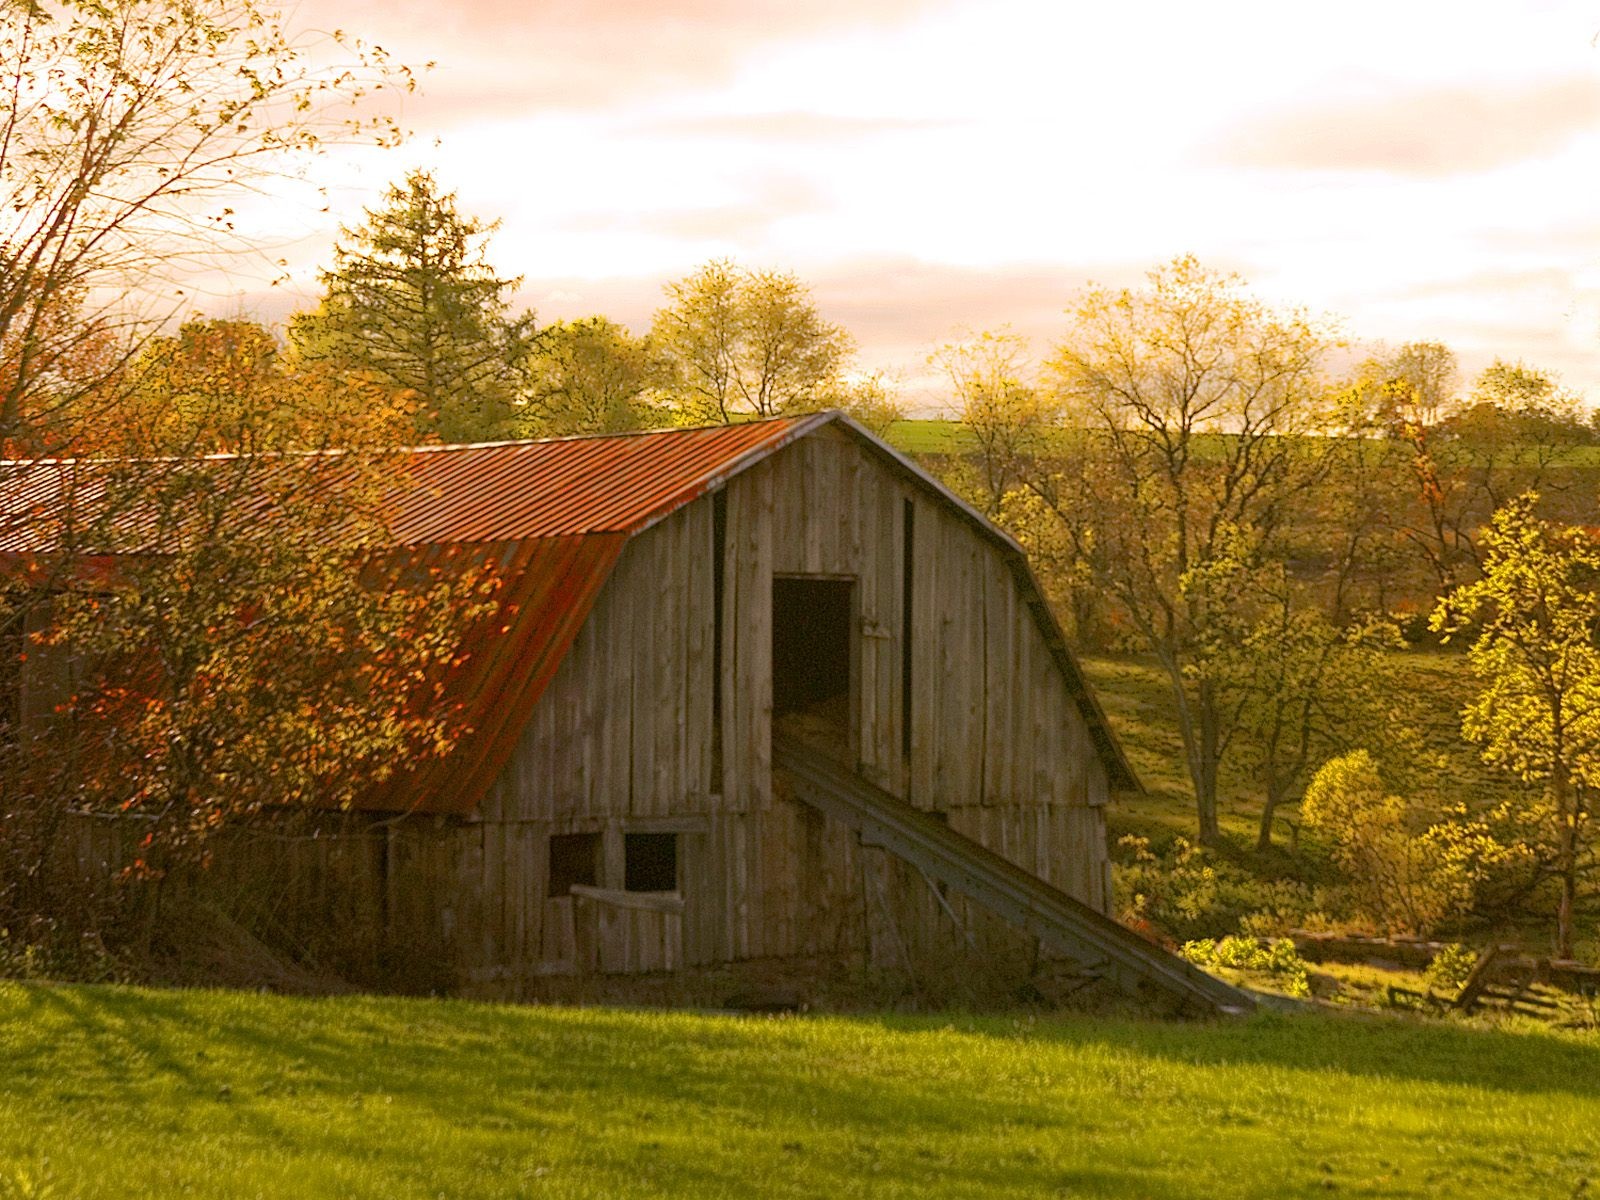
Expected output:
(119, 1092)
(1136, 697)
(929, 436)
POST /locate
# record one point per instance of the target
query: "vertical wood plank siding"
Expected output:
(623, 737)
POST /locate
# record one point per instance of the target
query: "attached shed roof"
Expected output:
(555, 516)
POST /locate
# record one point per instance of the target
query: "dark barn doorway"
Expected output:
(812, 654)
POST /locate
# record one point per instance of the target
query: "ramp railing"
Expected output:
(1096, 942)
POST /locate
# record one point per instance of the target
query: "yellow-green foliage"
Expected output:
(1274, 957)
(1450, 968)
(1531, 619)
(1188, 892)
(1406, 870)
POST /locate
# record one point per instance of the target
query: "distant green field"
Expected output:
(1567, 469)
(929, 437)
(110, 1092)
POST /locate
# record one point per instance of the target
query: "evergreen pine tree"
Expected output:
(411, 301)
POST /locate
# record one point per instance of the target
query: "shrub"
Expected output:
(1186, 892)
(1405, 869)
(1450, 967)
(1274, 957)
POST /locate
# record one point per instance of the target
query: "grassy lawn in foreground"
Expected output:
(123, 1092)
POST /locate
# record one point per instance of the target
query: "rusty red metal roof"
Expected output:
(549, 586)
(616, 484)
(492, 492)
(551, 517)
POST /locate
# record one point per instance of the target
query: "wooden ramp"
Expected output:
(1097, 943)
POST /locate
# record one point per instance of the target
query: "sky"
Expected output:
(1414, 170)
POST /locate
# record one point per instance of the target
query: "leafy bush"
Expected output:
(1274, 957)
(1450, 967)
(1405, 868)
(1187, 892)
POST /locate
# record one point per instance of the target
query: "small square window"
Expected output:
(651, 863)
(574, 858)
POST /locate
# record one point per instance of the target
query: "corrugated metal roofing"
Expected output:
(618, 484)
(493, 492)
(554, 516)
(550, 584)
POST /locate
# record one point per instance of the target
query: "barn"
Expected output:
(760, 695)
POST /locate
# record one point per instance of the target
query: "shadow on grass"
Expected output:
(388, 1044)
(701, 1099)
(1372, 1047)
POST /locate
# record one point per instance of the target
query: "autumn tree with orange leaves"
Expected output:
(259, 643)
(227, 387)
(205, 639)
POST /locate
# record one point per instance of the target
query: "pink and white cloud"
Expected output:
(1426, 170)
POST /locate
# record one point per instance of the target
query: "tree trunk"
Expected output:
(1205, 777)
(1275, 796)
(1198, 725)
(1567, 857)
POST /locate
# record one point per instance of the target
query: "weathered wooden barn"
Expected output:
(764, 692)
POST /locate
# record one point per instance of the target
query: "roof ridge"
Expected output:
(426, 448)
(709, 426)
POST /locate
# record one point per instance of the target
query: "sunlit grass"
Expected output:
(929, 436)
(120, 1092)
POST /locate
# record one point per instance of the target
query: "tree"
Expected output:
(1299, 688)
(1517, 423)
(1408, 869)
(588, 376)
(742, 341)
(1195, 405)
(1532, 618)
(411, 301)
(999, 403)
(1503, 440)
(259, 643)
(129, 130)
(215, 622)
(869, 400)
(1419, 381)
(225, 387)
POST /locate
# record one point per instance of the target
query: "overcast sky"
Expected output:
(1420, 170)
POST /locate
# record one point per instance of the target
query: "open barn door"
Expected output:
(814, 661)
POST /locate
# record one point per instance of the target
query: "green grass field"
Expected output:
(929, 436)
(936, 435)
(123, 1092)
